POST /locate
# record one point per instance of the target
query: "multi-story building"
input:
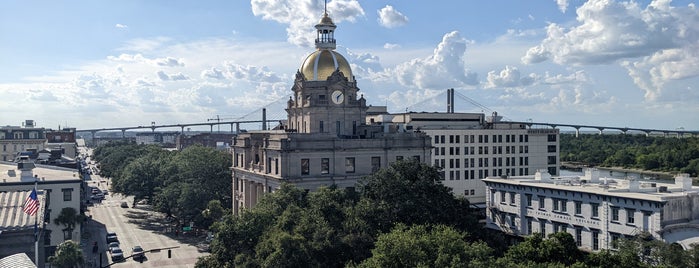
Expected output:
(57, 187)
(64, 140)
(595, 211)
(325, 140)
(219, 141)
(166, 139)
(16, 139)
(469, 147)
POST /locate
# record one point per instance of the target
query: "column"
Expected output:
(260, 192)
(253, 194)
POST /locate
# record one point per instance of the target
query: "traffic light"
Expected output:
(169, 253)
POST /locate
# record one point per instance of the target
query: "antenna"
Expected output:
(326, 8)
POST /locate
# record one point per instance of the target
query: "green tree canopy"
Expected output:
(68, 254)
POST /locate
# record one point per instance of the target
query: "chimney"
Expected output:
(591, 175)
(25, 166)
(683, 181)
(542, 175)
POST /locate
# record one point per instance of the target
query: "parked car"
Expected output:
(117, 255)
(113, 245)
(124, 205)
(98, 196)
(105, 192)
(137, 253)
(112, 237)
(95, 190)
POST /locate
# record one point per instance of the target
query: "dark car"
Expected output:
(112, 237)
(137, 253)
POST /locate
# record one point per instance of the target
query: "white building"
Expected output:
(470, 147)
(594, 210)
(15, 139)
(57, 188)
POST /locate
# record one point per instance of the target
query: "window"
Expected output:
(615, 240)
(564, 205)
(349, 165)
(305, 166)
(472, 192)
(457, 175)
(552, 160)
(630, 219)
(595, 210)
(551, 148)
(324, 165)
(552, 137)
(502, 197)
(529, 198)
(321, 123)
(595, 240)
(578, 207)
(542, 227)
(555, 204)
(542, 202)
(442, 138)
(67, 194)
(457, 138)
(375, 163)
(512, 198)
(513, 222)
(436, 139)
(615, 214)
(529, 221)
(451, 138)
(578, 236)
(436, 151)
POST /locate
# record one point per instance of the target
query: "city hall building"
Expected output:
(325, 139)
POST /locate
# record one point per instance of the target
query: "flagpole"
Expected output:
(36, 235)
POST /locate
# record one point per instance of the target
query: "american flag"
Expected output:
(31, 205)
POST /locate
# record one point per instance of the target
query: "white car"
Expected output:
(117, 255)
(113, 245)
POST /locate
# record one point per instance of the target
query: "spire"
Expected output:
(325, 38)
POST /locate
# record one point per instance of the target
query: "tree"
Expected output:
(68, 217)
(427, 246)
(68, 255)
(557, 248)
(408, 192)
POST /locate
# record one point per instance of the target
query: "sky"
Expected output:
(97, 64)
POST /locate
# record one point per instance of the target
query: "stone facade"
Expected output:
(325, 140)
(595, 211)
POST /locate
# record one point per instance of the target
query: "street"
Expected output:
(138, 226)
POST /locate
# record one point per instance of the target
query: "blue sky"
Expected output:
(90, 64)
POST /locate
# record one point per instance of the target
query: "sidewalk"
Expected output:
(91, 234)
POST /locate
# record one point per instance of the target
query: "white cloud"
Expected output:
(171, 77)
(562, 5)
(171, 62)
(509, 77)
(443, 69)
(391, 46)
(214, 73)
(391, 18)
(300, 16)
(656, 43)
(121, 26)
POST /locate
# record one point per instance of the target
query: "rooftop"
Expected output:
(11, 173)
(12, 217)
(652, 190)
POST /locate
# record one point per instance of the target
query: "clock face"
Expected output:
(337, 97)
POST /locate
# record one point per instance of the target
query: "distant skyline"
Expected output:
(90, 64)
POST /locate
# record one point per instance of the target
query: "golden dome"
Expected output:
(326, 20)
(322, 63)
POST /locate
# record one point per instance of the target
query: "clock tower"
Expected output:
(325, 98)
